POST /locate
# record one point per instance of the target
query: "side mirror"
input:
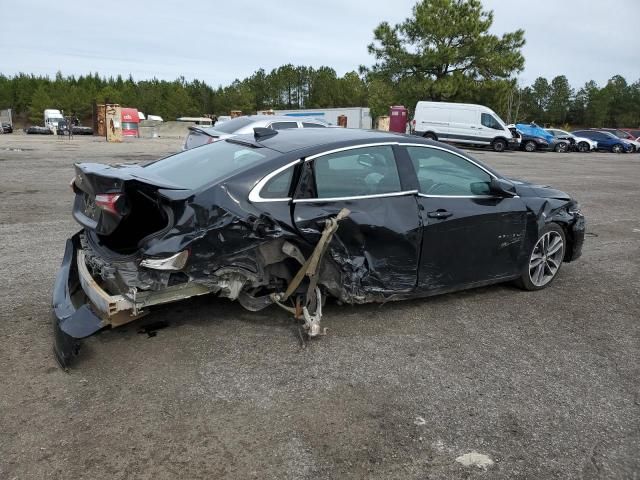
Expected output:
(502, 187)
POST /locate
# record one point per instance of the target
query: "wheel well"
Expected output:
(568, 236)
(426, 134)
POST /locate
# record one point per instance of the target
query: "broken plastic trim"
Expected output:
(174, 262)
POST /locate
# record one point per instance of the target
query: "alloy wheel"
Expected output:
(616, 149)
(546, 258)
(561, 147)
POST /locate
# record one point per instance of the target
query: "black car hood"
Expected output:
(526, 189)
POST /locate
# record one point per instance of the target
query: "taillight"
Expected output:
(107, 202)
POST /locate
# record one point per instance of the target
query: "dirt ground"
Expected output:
(544, 384)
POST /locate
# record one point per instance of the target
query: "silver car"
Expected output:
(236, 126)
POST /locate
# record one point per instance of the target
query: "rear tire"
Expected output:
(617, 148)
(430, 136)
(499, 145)
(561, 147)
(530, 146)
(544, 260)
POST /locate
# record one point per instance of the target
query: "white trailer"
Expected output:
(5, 116)
(357, 117)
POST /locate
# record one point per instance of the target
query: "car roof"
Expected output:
(288, 140)
(259, 120)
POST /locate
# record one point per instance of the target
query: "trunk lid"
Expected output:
(121, 204)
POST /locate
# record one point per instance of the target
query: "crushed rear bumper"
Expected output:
(70, 323)
(81, 306)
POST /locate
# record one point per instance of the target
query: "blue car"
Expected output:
(606, 141)
(535, 138)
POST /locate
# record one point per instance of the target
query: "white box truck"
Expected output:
(463, 123)
(357, 117)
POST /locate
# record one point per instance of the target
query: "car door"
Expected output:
(463, 125)
(469, 236)
(489, 128)
(377, 246)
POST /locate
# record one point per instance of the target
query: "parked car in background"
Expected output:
(64, 126)
(7, 128)
(38, 130)
(537, 138)
(198, 136)
(634, 132)
(580, 144)
(606, 141)
(462, 123)
(624, 135)
(246, 218)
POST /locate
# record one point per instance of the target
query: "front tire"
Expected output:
(530, 146)
(499, 145)
(545, 259)
(583, 147)
(617, 148)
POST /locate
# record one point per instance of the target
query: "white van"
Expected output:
(462, 123)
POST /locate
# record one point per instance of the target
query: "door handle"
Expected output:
(440, 213)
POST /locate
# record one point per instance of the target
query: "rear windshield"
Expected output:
(233, 125)
(200, 166)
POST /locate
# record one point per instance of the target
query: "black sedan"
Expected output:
(295, 216)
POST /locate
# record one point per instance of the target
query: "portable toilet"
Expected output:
(398, 119)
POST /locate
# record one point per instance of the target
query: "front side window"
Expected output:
(443, 173)
(357, 172)
(490, 121)
(312, 125)
(284, 125)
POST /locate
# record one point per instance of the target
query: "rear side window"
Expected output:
(312, 125)
(278, 186)
(357, 172)
(442, 173)
(200, 166)
(284, 125)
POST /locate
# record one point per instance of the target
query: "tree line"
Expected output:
(444, 51)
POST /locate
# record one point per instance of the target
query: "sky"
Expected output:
(217, 41)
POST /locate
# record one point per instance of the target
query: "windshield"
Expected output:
(199, 166)
(233, 125)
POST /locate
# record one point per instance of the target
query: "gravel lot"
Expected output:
(544, 384)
